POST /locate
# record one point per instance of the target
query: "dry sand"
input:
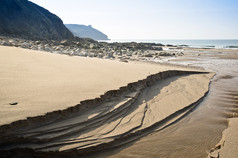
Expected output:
(42, 82)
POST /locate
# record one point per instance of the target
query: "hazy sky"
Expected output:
(151, 19)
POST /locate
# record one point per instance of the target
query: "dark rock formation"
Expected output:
(24, 19)
(84, 31)
(87, 47)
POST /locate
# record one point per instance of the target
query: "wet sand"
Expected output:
(209, 130)
(221, 103)
(195, 134)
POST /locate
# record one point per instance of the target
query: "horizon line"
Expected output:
(175, 39)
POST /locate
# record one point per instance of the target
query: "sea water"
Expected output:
(213, 43)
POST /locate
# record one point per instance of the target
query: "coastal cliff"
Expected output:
(24, 19)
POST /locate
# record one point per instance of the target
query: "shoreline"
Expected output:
(183, 43)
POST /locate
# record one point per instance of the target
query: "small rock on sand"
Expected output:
(14, 103)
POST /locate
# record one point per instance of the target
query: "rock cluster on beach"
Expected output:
(86, 47)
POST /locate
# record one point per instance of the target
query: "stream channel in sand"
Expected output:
(200, 130)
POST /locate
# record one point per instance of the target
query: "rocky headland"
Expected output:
(84, 31)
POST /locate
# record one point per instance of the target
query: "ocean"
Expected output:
(217, 43)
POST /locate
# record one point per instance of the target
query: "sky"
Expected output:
(151, 19)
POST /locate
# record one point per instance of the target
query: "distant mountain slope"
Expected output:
(84, 31)
(24, 19)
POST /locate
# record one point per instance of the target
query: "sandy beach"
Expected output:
(118, 79)
(65, 104)
(41, 82)
(89, 104)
